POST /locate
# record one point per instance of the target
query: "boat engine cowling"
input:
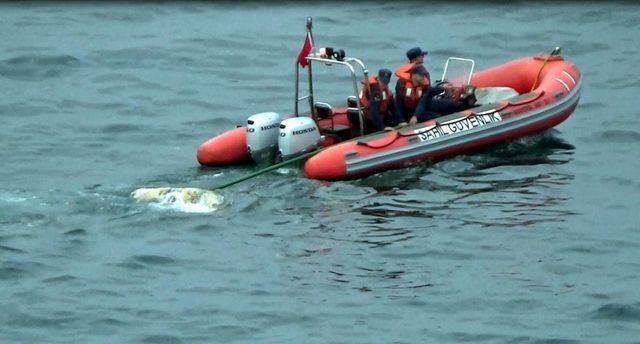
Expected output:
(298, 135)
(262, 136)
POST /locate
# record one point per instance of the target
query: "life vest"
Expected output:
(412, 93)
(404, 72)
(386, 95)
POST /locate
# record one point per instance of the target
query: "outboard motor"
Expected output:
(298, 135)
(262, 136)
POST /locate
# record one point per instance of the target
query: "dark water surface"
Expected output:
(533, 241)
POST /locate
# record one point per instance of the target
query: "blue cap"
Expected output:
(415, 52)
(384, 75)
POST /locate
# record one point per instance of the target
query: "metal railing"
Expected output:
(347, 62)
(468, 71)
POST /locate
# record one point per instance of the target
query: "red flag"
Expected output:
(306, 49)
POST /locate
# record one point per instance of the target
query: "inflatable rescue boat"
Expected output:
(517, 98)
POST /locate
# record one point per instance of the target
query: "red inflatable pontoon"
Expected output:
(530, 109)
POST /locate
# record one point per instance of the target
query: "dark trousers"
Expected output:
(370, 126)
(430, 107)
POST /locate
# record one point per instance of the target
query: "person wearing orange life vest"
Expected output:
(416, 55)
(381, 112)
(436, 100)
(422, 101)
(410, 89)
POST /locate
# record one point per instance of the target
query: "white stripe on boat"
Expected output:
(570, 77)
(563, 84)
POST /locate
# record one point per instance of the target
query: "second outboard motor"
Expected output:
(262, 136)
(298, 135)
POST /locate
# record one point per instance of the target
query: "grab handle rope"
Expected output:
(385, 144)
(556, 51)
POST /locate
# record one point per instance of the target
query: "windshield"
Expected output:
(458, 71)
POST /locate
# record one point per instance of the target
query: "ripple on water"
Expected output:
(139, 16)
(108, 321)
(22, 109)
(76, 232)
(620, 136)
(592, 105)
(344, 191)
(179, 102)
(37, 67)
(584, 47)
(595, 16)
(63, 279)
(39, 321)
(11, 249)
(218, 122)
(160, 339)
(120, 128)
(391, 210)
(488, 199)
(379, 236)
(618, 312)
(237, 43)
(627, 23)
(12, 273)
(138, 57)
(154, 260)
(623, 84)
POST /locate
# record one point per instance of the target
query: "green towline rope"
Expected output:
(288, 162)
(270, 168)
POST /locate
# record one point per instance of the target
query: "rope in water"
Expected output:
(287, 162)
(270, 168)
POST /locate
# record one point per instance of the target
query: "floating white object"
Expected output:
(191, 200)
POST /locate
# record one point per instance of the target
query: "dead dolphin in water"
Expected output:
(184, 199)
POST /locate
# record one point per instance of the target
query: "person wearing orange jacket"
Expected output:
(421, 101)
(416, 55)
(410, 88)
(380, 110)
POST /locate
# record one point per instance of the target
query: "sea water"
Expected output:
(535, 241)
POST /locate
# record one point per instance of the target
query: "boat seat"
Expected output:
(353, 115)
(340, 131)
(488, 95)
(323, 110)
(352, 102)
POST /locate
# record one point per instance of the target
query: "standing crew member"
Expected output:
(416, 55)
(381, 111)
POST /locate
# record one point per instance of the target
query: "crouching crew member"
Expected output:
(444, 99)
(410, 89)
(380, 109)
(424, 101)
